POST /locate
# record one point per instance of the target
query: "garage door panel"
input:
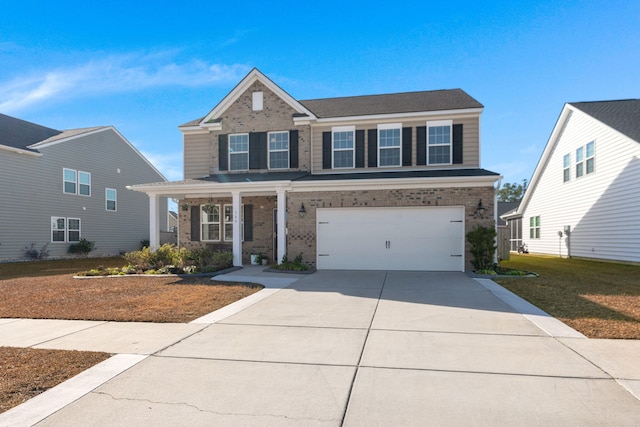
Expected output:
(391, 238)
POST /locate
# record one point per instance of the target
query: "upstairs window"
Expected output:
(111, 198)
(439, 142)
(76, 182)
(579, 162)
(590, 157)
(389, 143)
(566, 168)
(342, 146)
(278, 150)
(239, 151)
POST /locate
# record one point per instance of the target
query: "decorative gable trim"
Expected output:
(211, 119)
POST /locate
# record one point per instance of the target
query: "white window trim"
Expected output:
(587, 158)
(220, 215)
(566, 168)
(269, 150)
(387, 126)
(351, 129)
(64, 180)
(106, 199)
(246, 153)
(69, 230)
(64, 230)
(78, 187)
(438, 123)
(535, 227)
(225, 222)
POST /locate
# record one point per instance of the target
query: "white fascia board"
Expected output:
(70, 138)
(376, 117)
(566, 112)
(19, 151)
(206, 188)
(393, 184)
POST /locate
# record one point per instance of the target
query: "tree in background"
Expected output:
(512, 192)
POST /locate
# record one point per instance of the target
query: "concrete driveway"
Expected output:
(369, 349)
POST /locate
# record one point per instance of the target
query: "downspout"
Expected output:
(495, 218)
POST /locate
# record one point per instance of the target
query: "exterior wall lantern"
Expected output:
(302, 211)
(480, 209)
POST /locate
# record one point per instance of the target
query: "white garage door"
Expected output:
(427, 239)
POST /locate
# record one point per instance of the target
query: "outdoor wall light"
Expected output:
(302, 211)
(480, 209)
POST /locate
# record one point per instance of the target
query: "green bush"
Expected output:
(222, 260)
(295, 265)
(83, 247)
(482, 241)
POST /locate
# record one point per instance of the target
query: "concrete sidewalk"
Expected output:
(348, 348)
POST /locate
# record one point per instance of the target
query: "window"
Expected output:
(566, 165)
(228, 223)
(58, 229)
(439, 142)
(210, 222)
(389, 141)
(534, 227)
(111, 197)
(579, 162)
(239, 151)
(343, 146)
(73, 229)
(70, 179)
(278, 150)
(65, 229)
(76, 182)
(590, 158)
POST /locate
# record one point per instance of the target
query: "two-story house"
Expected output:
(61, 186)
(368, 182)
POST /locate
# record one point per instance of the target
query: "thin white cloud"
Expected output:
(169, 164)
(113, 74)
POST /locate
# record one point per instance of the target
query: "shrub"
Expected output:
(222, 260)
(33, 253)
(482, 247)
(295, 265)
(82, 247)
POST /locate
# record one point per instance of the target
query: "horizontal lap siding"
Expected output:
(471, 155)
(36, 195)
(198, 156)
(601, 208)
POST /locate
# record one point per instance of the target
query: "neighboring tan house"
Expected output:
(584, 197)
(61, 186)
(367, 182)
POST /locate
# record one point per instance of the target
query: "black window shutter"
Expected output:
(195, 223)
(373, 148)
(248, 223)
(360, 148)
(407, 133)
(293, 149)
(258, 150)
(223, 152)
(421, 145)
(457, 143)
(326, 150)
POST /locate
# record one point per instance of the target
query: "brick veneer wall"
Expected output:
(301, 236)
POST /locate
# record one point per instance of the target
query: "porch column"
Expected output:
(237, 233)
(282, 223)
(154, 221)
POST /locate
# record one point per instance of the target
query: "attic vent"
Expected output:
(257, 101)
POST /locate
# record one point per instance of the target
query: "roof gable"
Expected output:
(253, 76)
(622, 115)
(20, 134)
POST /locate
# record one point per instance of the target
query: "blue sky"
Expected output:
(146, 68)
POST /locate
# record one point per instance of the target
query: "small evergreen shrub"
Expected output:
(483, 247)
(82, 247)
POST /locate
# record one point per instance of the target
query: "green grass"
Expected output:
(52, 267)
(600, 299)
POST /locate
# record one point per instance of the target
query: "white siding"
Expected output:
(602, 208)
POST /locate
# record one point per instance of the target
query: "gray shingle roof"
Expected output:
(407, 102)
(21, 134)
(622, 115)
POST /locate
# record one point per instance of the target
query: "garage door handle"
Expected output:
(456, 255)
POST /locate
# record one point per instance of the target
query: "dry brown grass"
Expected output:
(40, 290)
(599, 299)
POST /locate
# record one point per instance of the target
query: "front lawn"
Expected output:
(599, 299)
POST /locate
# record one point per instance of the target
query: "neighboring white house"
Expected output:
(61, 186)
(584, 196)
